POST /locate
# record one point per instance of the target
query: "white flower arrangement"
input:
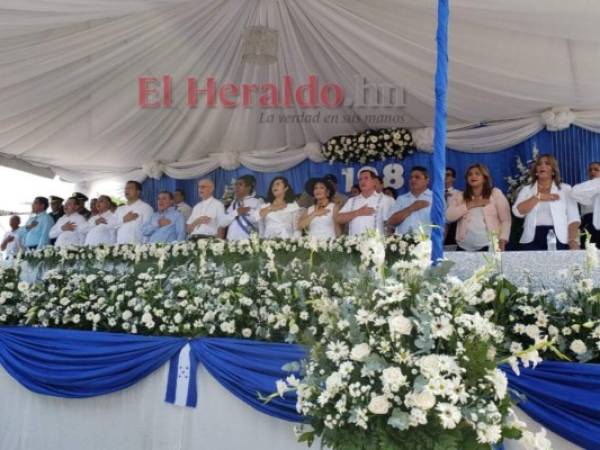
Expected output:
(370, 145)
(515, 183)
(407, 354)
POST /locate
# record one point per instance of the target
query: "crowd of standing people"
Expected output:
(549, 209)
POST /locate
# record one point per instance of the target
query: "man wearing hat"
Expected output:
(81, 199)
(240, 215)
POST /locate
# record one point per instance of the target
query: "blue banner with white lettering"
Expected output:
(574, 148)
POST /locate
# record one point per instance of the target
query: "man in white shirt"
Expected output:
(10, 242)
(181, 205)
(204, 220)
(239, 217)
(132, 216)
(369, 210)
(101, 228)
(413, 209)
(70, 228)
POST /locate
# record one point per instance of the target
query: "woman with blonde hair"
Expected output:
(548, 208)
(481, 210)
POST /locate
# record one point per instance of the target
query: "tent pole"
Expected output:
(438, 208)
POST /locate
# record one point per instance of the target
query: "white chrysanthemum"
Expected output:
(336, 351)
(499, 381)
(449, 415)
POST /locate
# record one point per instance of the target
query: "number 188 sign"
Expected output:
(392, 174)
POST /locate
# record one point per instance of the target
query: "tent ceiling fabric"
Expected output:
(69, 93)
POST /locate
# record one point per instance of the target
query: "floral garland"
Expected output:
(401, 356)
(370, 145)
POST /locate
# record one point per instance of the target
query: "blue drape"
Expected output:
(438, 209)
(68, 363)
(79, 364)
(574, 148)
(248, 368)
(563, 397)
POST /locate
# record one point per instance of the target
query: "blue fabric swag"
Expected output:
(563, 397)
(80, 364)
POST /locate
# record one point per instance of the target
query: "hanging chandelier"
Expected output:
(260, 45)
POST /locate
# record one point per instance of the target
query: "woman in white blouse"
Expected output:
(319, 219)
(588, 195)
(547, 204)
(279, 217)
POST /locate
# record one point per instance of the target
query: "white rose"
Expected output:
(379, 405)
(578, 347)
(424, 400)
(246, 332)
(399, 325)
(392, 378)
(334, 382)
(360, 352)
(126, 315)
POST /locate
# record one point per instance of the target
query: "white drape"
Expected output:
(68, 90)
(138, 419)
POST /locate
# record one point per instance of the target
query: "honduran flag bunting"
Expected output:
(181, 382)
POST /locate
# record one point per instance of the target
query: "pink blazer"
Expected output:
(496, 215)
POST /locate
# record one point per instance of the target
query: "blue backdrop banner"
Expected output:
(574, 148)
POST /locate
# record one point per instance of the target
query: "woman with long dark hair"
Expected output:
(279, 217)
(480, 210)
(548, 208)
(319, 219)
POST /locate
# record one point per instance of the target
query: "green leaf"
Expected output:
(399, 419)
(308, 437)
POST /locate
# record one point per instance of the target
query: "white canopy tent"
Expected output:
(69, 84)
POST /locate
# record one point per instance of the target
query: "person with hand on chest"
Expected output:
(132, 216)
(587, 194)
(241, 215)
(167, 224)
(35, 233)
(481, 211)
(70, 228)
(10, 244)
(367, 211)
(319, 218)
(101, 228)
(205, 217)
(278, 219)
(413, 209)
(548, 208)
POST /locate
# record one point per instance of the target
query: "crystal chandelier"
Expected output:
(260, 45)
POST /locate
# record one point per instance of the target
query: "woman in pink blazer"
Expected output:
(481, 210)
